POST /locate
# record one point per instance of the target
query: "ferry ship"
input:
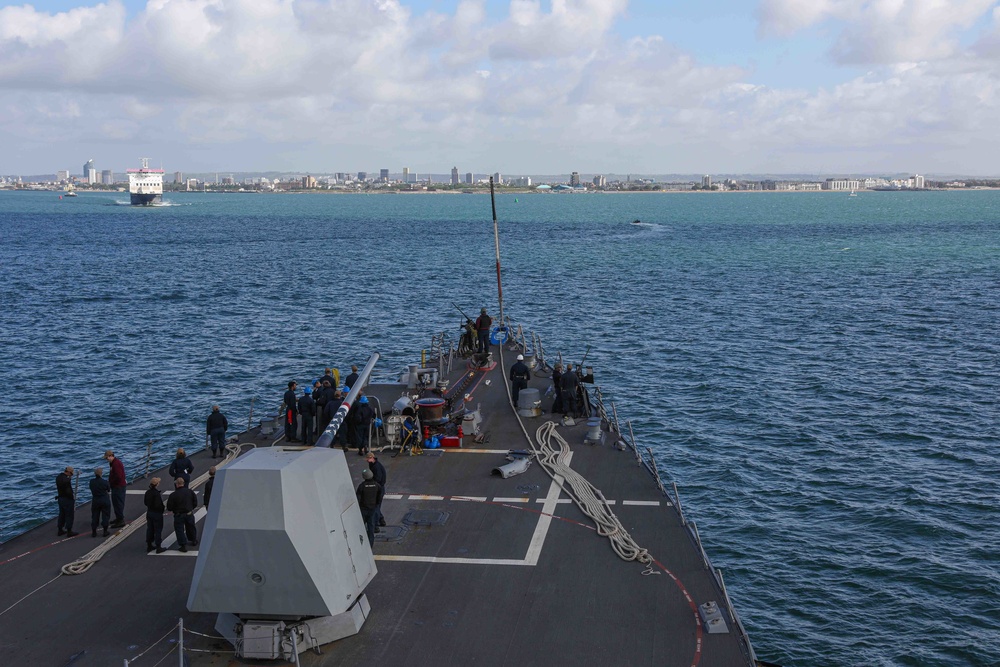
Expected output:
(145, 185)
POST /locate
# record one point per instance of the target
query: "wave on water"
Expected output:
(162, 204)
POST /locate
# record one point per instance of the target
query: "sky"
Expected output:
(515, 86)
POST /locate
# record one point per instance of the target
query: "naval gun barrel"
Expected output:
(326, 439)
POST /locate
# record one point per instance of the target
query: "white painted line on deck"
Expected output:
(170, 539)
(459, 450)
(171, 552)
(561, 501)
(545, 520)
(644, 503)
(456, 561)
(141, 492)
(415, 497)
(471, 499)
(522, 499)
(392, 496)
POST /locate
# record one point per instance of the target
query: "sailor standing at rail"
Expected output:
(379, 475)
(569, 383)
(100, 502)
(519, 376)
(215, 427)
(351, 379)
(67, 502)
(363, 417)
(118, 483)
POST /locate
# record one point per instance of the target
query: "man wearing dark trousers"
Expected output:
(118, 483)
(215, 427)
(182, 503)
(519, 376)
(352, 378)
(67, 502)
(100, 502)
(370, 495)
(483, 324)
(379, 475)
(307, 413)
(154, 516)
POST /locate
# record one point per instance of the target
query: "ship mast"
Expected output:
(496, 242)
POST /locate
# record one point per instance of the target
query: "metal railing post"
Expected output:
(677, 501)
(701, 547)
(149, 458)
(250, 418)
(180, 642)
(614, 411)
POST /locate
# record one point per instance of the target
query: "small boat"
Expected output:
(853, 194)
(69, 193)
(637, 221)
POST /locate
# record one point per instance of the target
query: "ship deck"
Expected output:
(513, 573)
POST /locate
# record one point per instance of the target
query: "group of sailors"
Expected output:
(108, 494)
(565, 383)
(307, 416)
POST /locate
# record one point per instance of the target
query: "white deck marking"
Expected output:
(521, 499)
(645, 503)
(545, 520)
(456, 561)
(171, 539)
(561, 501)
(392, 496)
(414, 497)
(140, 492)
(471, 499)
(459, 450)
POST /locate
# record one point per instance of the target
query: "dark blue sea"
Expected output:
(818, 373)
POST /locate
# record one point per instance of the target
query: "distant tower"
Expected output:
(406, 174)
(497, 178)
(383, 175)
(918, 181)
(469, 178)
(362, 176)
(706, 181)
(454, 175)
(107, 177)
(574, 179)
(87, 166)
(178, 177)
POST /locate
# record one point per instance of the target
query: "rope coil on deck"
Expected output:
(84, 563)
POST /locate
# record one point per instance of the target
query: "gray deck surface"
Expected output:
(578, 604)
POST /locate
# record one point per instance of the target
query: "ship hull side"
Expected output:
(145, 199)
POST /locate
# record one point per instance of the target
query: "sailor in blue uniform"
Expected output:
(483, 324)
(215, 427)
(307, 411)
(291, 419)
(370, 495)
(100, 504)
(519, 376)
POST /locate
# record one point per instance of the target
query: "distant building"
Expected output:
(406, 174)
(600, 181)
(454, 176)
(706, 181)
(88, 166)
(383, 175)
(62, 175)
(469, 178)
(362, 176)
(308, 182)
(918, 181)
(574, 179)
(192, 184)
(497, 178)
(107, 177)
(838, 184)
(178, 177)
(227, 180)
(521, 182)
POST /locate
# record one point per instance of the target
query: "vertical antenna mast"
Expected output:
(496, 242)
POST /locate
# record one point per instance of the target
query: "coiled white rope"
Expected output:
(84, 563)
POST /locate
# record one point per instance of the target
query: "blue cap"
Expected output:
(307, 390)
(364, 400)
(346, 389)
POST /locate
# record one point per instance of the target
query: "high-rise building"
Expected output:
(178, 177)
(454, 175)
(918, 181)
(362, 176)
(87, 166)
(62, 175)
(406, 174)
(308, 182)
(706, 181)
(107, 177)
(600, 181)
(468, 178)
(497, 178)
(92, 176)
(574, 179)
(383, 175)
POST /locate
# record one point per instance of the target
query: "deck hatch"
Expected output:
(425, 518)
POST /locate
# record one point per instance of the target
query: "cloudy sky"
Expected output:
(516, 86)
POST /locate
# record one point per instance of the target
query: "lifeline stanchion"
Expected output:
(180, 642)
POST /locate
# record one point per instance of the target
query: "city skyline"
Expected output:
(520, 87)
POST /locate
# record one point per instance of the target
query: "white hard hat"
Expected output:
(520, 357)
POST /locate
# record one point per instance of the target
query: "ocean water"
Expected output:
(818, 373)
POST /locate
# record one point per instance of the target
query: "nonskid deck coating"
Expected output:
(515, 576)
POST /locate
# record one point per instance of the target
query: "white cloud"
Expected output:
(878, 31)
